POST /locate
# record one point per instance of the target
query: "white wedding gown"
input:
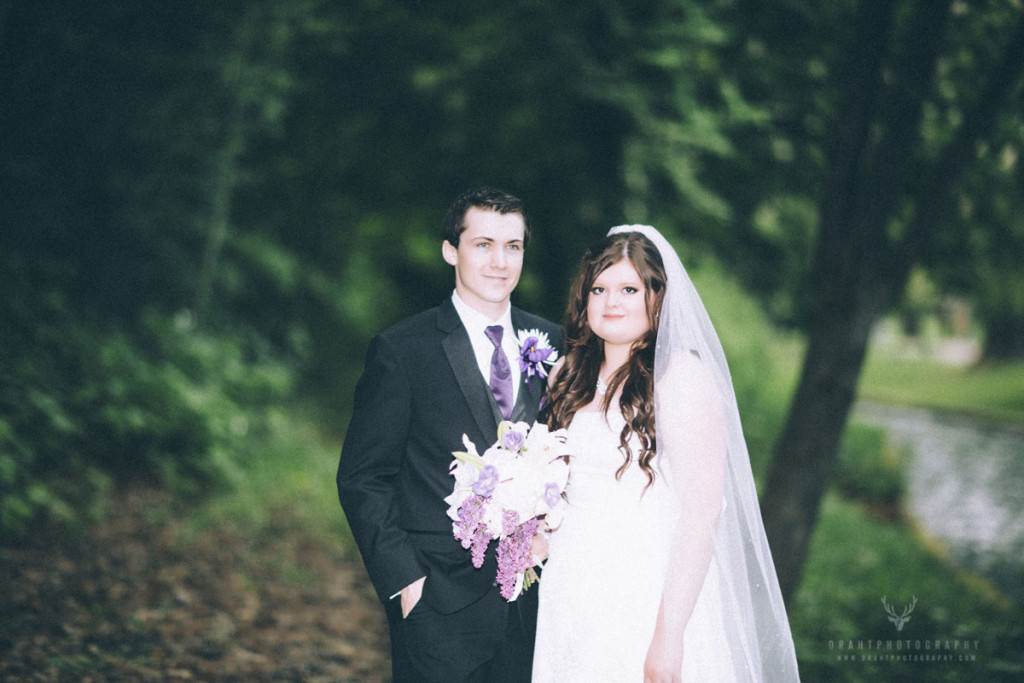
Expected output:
(601, 587)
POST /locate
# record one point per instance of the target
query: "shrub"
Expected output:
(870, 470)
(82, 408)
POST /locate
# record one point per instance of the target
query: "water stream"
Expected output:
(965, 482)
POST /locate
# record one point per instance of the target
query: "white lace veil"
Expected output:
(746, 592)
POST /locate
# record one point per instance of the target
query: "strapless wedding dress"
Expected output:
(601, 587)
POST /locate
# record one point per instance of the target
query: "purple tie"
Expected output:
(501, 372)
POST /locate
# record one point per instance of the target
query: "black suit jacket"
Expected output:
(420, 392)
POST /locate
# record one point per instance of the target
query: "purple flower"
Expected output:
(535, 354)
(532, 357)
(471, 512)
(551, 494)
(513, 440)
(487, 481)
(470, 529)
(515, 553)
(480, 540)
(509, 521)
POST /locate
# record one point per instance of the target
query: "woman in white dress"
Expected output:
(660, 570)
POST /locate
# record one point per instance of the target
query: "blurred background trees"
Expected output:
(905, 110)
(208, 208)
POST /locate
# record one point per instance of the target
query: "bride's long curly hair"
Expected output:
(576, 383)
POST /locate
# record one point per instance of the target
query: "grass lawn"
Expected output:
(959, 629)
(989, 391)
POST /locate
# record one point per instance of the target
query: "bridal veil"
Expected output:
(758, 642)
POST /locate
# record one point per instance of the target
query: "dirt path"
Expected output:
(135, 601)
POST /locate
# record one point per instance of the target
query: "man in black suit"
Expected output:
(428, 380)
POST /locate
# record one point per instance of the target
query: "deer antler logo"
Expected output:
(900, 619)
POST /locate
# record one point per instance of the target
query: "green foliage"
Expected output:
(794, 161)
(289, 484)
(989, 391)
(83, 407)
(870, 470)
(788, 226)
(854, 561)
(920, 299)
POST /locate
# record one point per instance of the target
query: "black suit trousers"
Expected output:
(489, 641)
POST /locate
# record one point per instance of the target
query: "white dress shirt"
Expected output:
(476, 324)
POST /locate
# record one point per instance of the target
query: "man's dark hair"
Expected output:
(486, 198)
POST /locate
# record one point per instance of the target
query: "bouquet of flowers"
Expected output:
(503, 494)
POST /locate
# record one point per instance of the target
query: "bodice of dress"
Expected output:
(595, 493)
(601, 587)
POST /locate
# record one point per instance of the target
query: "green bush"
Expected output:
(83, 407)
(869, 469)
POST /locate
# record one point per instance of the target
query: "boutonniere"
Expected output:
(536, 354)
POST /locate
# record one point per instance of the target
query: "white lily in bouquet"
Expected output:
(504, 495)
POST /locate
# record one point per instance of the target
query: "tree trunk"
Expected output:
(224, 182)
(805, 452)
(853, 282)
(859, 270)
(226, 171)
(1004, 337)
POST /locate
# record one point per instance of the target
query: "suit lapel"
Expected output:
(462, 360)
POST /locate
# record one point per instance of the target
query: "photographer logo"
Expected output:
(899, 619)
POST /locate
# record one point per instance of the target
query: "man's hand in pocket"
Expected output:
(411, 595)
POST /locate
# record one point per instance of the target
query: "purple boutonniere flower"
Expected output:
(536, 354)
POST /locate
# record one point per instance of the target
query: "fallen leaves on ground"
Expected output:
(135, 599)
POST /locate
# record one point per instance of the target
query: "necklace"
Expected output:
(602, 388)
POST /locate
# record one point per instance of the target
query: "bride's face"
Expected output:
(617, 305)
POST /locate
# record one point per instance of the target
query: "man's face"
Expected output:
(488, 260)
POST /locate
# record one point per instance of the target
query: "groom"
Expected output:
(449, 371)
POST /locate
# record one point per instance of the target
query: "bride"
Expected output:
(660, 570)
